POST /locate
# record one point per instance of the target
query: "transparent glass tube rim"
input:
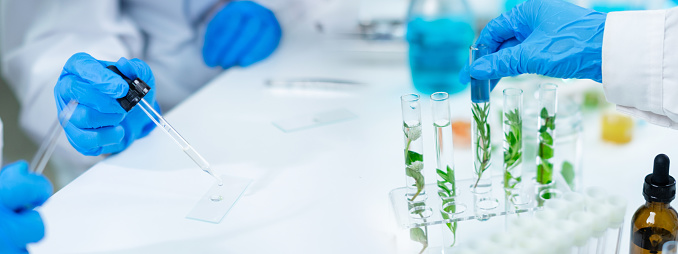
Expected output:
(440, 106)
(512, 92)
(411, 109)
(412, 97)
(440, 96)
(479, 48)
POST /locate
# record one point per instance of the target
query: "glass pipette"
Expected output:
(135, 96)
(47, 147)
(181, 142)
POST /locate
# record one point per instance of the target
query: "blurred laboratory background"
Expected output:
(431, 36)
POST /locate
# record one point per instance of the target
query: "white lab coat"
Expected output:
(640, 64)
(38, 36)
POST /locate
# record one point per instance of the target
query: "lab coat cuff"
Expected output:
(652, 118)
(633, 51)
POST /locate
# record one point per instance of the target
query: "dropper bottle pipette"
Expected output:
(137, 90)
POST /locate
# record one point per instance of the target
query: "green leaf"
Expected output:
(551, 123)
(412, 157)
(442, 174)
(546, 138)
(544, 175)
(544, 113)
(507, 178)
(567, 171)
(512, 138)
(443, 187)
(419, 180)
(418, 235)
(545, 151)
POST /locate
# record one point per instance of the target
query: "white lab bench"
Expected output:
(318, 190)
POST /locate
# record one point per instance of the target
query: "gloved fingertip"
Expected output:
(21, 166)
(29, 228)
(208, 58)
(464, 77)
(481, 69)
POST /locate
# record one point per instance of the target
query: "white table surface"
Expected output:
(319, 190)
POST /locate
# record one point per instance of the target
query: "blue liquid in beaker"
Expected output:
(438, 50)
(509, 4)
(602, 7)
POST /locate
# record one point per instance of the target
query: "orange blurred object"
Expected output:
(461, 131)
(616, 128)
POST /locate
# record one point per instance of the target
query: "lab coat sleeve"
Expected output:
(640, 64)
(32, 58)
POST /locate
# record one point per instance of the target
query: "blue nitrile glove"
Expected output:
(99, 124)
(555, 38)
(20, 192)
(241, 33)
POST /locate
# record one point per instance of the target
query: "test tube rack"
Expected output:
(469, 205)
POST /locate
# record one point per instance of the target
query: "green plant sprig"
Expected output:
(513, 154)
(414, 161)
(420, 236)
(545, 153)
(447, 195)
(483, 146)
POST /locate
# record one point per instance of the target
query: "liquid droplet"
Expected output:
(216, 198)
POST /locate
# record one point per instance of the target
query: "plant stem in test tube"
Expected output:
(480, 97)
(548, 102)
(445, 157)
(513, 137)
(414, 147)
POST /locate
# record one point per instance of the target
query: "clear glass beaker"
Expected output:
(439, 33)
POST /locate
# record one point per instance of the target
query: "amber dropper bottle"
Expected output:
(655, 222)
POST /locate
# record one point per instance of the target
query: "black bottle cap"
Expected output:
(660, 186)
(137, 90)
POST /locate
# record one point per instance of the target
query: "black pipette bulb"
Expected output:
(660, 186)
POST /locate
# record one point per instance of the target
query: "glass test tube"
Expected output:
(481, 144)
(513, 153)
(548, 103)
(447, 189)
(414, 147)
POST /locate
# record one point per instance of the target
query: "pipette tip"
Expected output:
(211, 172)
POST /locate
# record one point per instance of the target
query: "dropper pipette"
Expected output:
(49, 143)
(178, 139)
(137, 90)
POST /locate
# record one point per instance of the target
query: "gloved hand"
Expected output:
(20, 192)
(99, 125)
(553, 37)
(241, 33)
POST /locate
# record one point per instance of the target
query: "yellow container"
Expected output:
(616, 128)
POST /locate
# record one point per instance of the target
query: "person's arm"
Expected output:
(32, 59)
(632, 53)
(640, 64)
